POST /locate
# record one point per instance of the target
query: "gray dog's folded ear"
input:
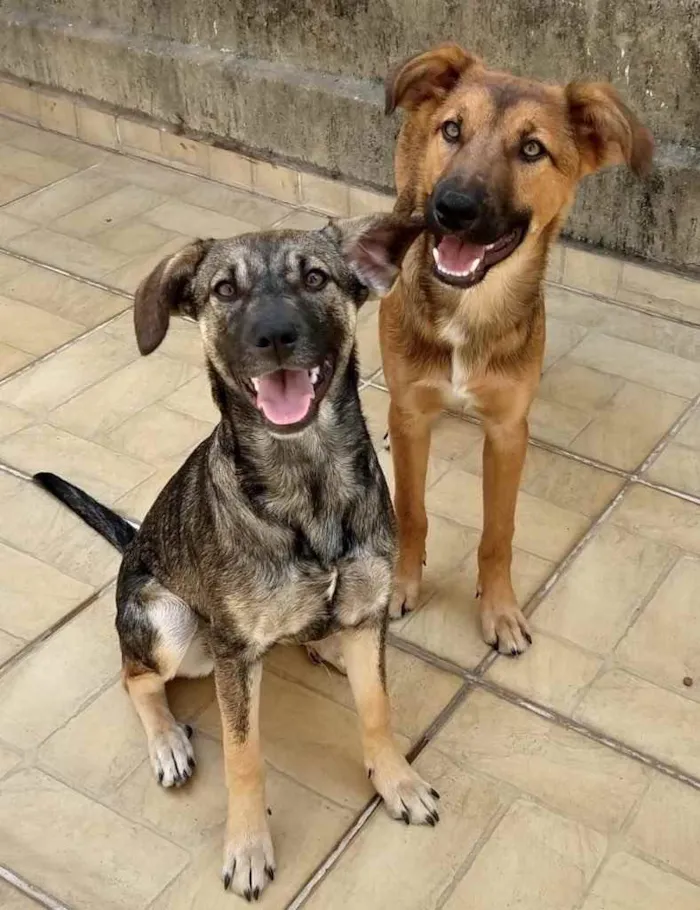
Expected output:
(163, 292)
(374, 246)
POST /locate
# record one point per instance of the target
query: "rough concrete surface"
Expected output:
(299, 81)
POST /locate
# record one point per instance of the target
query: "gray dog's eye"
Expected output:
(225, 290)
(315, 279)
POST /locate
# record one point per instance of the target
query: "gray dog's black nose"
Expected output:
(274, 332)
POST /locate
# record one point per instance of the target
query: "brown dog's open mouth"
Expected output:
(288, 398)
(465, 264)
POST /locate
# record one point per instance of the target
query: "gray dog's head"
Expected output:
(277, 310)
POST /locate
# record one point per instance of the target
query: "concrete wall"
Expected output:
(298, 80)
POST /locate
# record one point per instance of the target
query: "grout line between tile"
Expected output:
(30, 260)
(36, 894)
(331, 858)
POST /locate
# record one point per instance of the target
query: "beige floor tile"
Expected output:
(594, 602)
(107, 404)
(45, 689)
(33, 330)
(20, 101)
(628, 883)
(49, 384)
(38, 524)
(11, 267)
(194, 398)
(12, 899)
(183, 341)
(12, 419)
(278, 182)
(629, 426)
(129, 277)
(46, 205)
(97, 127)
(9, 645)
(229, 167)
(667, 826)
(541, 528)
(455, 439)
(106, 474)
(311, 739)
(68, 253)
(689, 434)
(12, 360)
(390, 865)
(139, 500)
(11, 189)
(639, 363)
(330, 196)
(448, 624)
(436, 467)
(534, 860)
(662, 285)
(254, 210)
(157, 434)
(148, 174)
(114, 208)
(304, 829)
(375, 407)
(591, 271)
(30, 168)
(8, 761)
(567, 772)
(12, 227)
(100, 746)
(34, 595)
(300, 220)
(193, 220)
(365, 202)
(554, 673)
(182, 151)
(678, 467)
(562, 337)
(417, 690)
(663, 644)
(66, 297)
(137, 135)
(555, 263)
(659, 722)
(88, 856)
(660, 517)
(367, 335)
(60, 148)
(577, 386)
(136, 237)
(556, 423)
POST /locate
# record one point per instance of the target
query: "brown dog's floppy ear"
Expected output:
(162, 292)
(374, 246)
(606, 130)
(429, 75)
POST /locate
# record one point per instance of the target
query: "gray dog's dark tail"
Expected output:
(113, 527)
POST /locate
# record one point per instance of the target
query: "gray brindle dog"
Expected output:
(279, 526)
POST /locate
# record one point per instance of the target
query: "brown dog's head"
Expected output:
(277, 310)
(495, 158)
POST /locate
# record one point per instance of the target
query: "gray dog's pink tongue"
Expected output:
(284, 396)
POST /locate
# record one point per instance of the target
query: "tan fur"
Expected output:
(483, 347)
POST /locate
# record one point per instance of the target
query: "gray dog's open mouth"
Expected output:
(289, 397)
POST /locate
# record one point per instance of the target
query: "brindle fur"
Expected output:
(260, 537)
(443, 346)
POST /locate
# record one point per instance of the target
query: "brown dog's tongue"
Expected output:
(458, 256)
(284, 396)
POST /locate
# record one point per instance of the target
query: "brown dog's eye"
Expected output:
(315, 279)
(225, 290)
(532, 150)
(451, 130)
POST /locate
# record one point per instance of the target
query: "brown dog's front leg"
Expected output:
(406, 795)
(502, 621)
(409, 434)
(248, 856)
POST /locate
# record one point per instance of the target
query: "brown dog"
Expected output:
(492, 160)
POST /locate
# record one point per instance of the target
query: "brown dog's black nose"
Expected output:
(456, 209)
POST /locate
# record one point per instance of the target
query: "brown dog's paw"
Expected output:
(404, 599)
(249, 863)
(407, 796)
(505, 628)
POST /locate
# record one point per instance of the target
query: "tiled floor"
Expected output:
(570, 778)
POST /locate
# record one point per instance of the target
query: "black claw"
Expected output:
(161, 775)
(248, 895)
(369, 773)
(406, 817)
(404, 609)
(528, 637)
(270, 873)
(227, 881)
(436, 816)
(514, 652)
(256, 893)
(269, 811)
(191, 762)
(495, 645)
(434, 793)
(431, 821)
(189, 731)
